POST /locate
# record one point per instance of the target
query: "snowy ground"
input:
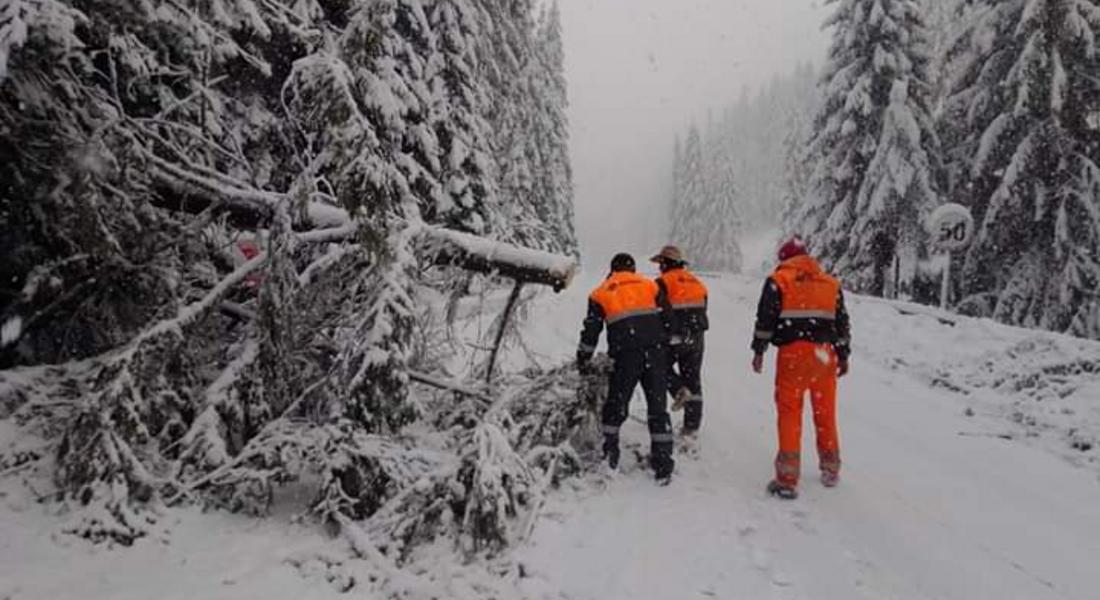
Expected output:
(971, 471)
(937, 501)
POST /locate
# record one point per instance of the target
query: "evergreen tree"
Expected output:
(796, 165)
(460, 109)
(691, 193)
(555, 173)
(706, 221)
(508, 53)
(389, 47)
(944, 19)
(874, 145)
(717, 227)
(1025, 92)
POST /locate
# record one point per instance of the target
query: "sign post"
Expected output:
(952, 229)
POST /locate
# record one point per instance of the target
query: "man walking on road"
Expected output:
(802, 312)
(687, 300)
(630, 305)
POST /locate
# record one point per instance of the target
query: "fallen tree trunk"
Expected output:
(483, 255)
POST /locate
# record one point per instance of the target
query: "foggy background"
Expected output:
(639, 72)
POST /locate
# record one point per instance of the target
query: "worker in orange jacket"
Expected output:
(687, 302)
(802, 312)
(630, 305)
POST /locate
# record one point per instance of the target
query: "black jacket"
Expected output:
(770, 329)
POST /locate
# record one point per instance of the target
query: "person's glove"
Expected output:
(842, 367)
(583, 360)
(758, 363)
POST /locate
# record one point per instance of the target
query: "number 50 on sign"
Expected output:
(952, 227)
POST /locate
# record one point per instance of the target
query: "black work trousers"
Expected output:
(648, 366)
(686, 370)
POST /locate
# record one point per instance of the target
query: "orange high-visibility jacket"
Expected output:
(687, 296)
(801, 301)
(630, 305)
(806, 291)
(625, 295)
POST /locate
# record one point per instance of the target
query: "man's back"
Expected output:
(688, 298)
(801, 302)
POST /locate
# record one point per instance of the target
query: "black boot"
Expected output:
(611, 451)
(663, 465)
(783, 491)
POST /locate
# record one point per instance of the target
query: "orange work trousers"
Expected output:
(806, 368)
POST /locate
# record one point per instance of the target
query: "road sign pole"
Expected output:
(945, 289)
(952, 230)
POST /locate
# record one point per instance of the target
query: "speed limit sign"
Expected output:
(952, 227)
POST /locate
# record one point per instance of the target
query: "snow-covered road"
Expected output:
(970, 472)
(932, 505)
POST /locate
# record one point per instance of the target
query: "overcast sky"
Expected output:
(639, 71)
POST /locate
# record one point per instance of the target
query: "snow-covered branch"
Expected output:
(483, 255)
(247, 204)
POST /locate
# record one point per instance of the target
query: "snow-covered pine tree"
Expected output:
(390, 49)
(874, 143)
(718, 226)
(460, 117)
(943, 18)
(554, 179)
(762, 137)
(507, 55)
(690, 194)
(797, 170)
(706, 219)
(1025, 89)
(899, 192)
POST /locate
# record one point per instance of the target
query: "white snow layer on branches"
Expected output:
(11, 330)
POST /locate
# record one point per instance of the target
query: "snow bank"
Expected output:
(1042, 386)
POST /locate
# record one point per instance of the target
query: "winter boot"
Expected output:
(688, 442)
(663, 477)
(662, 469)
(780, 490)
(682, 396)
(829, 479)
(611, 452)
